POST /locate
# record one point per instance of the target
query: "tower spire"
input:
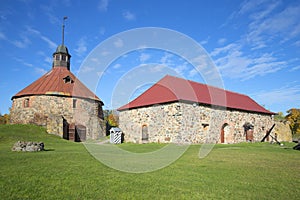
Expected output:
(61, 57)
(63, 30)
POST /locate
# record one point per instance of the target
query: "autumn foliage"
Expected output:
(4, 119)
(293, 117)
(111, 117)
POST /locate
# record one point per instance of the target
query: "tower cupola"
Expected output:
(61, 57)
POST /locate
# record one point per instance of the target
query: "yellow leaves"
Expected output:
(112, 120)
(294, 118)
(4, 119)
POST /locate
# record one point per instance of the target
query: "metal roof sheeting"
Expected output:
(172, 89)
(54, 83)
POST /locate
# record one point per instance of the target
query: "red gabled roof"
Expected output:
(172, 89)
(54, 83)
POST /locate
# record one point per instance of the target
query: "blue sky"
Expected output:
(255, 44)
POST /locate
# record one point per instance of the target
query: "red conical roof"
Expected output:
(59, 82)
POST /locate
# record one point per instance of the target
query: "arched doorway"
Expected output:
(145, 135)
(226, 137)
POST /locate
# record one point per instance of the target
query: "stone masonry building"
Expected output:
(176, 110)
(60, 102)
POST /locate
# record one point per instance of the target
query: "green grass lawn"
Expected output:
(66, 170)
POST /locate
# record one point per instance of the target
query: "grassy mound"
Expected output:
(66, 170)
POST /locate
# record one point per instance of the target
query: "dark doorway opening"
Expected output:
(145, 135)
(65, 129)
(80, 133)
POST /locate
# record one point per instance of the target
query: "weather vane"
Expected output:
(63, 30)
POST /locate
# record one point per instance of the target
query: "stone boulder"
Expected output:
(28, 146)
(283, 132)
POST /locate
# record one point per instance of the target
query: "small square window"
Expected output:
(68, 79)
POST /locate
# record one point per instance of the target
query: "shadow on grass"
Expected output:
(49, 150)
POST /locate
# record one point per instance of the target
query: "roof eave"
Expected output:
(58, 95)
(128, 107)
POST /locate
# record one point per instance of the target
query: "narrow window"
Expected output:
(26, 103)
(74, 103)
(145, 135)
(100, 111)
(64, 58)
(57, 57)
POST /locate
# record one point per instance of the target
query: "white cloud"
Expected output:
(289, 96)
(21, 43)
(128, 15)
(181, 69)
(118, 43)
(166, 59)
(48, 60)
(2, 36)
(157, 68)
(203, 42)
(232, 62)
(48, 10)
(104, 53)
(221, 41)
(295, 68)
(269, 21)
(265, 10)
(23, 62)
(86, 68)
(51, 44)
(103, 5)
(193, 72)
(283, 25)
(248, 6)
(225, 49)
(81, 46)
(40, 71)
(102, 30)
(96, 60)
(144, 57)
(117, 66)
(100, 73)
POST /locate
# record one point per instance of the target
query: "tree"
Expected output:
(293, 117)
(4, 119)
(111, 118)
(279, 117)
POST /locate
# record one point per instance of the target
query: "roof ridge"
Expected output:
(207, 85)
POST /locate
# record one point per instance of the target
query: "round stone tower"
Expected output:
(60, 102)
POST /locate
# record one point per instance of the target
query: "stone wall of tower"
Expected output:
(182, 122)
(50, 111)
